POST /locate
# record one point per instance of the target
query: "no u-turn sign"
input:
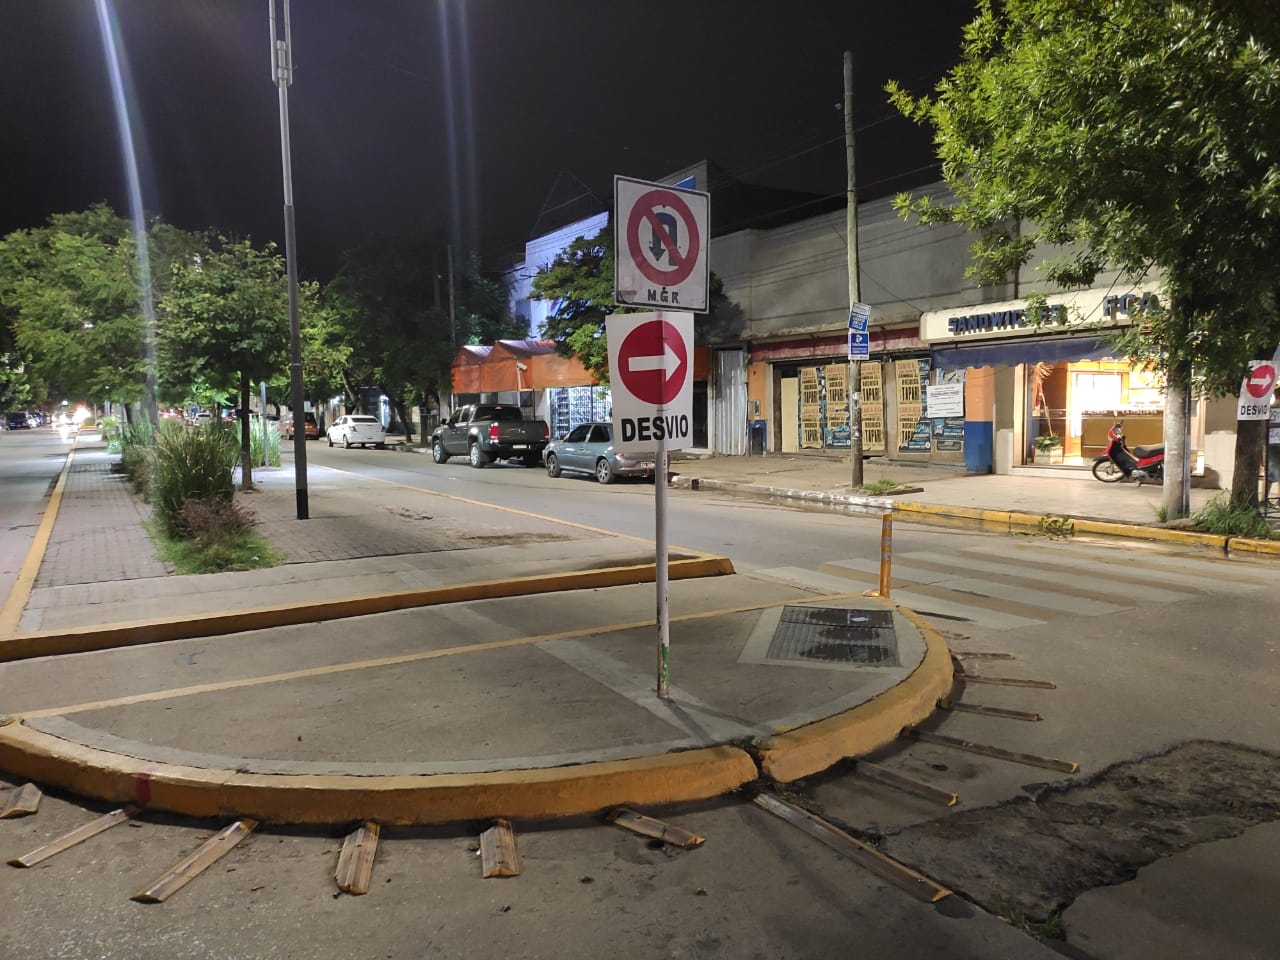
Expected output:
(660, 246)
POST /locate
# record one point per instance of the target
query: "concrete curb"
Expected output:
(536, 793)
(333, 799)
(814, 747)
(108, 636)
(1001, 521)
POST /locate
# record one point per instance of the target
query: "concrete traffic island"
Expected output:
(539, 724)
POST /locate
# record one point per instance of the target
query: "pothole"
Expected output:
(1032, 856)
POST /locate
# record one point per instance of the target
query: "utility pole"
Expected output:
(851, 233)
(453, 323)
(282, 76)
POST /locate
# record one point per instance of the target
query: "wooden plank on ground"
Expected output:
(187, 869)
(649, 827)
(355, 863)
(1008, 681)
(498, 856)
(72, 837)
(977, 655)
(999, 753)
(907, 784)
(865, 855)
(1002, 713)
(22, 802)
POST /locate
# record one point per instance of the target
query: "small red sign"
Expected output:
(1261, 381)
(653, 363)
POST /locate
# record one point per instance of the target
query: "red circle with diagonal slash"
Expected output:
(646, 209)
(650, 381)
(1261, 381)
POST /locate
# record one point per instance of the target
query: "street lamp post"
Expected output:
(282, 76)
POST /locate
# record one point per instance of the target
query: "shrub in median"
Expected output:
(191, 465)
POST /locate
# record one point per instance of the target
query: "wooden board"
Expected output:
(355, 863)
(22, 802)
(865, 855)
(72, 837)
(498, 856)
(982, 710)
(900, 782)
(187, 869)
(649, 827)
(999, 753)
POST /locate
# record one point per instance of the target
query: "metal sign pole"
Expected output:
(660, 569)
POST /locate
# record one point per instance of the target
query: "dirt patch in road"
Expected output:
(1029, 858)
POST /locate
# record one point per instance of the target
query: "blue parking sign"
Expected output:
(859, 345)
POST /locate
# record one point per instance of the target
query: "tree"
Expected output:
(71, 293)
(226, 323)
(1137, 135)
(482, 314)
(579, 282)
(396, 337)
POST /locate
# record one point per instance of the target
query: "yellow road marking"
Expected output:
(518, 512)
(21, 591)
(195, 690)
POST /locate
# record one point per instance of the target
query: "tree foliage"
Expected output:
(579, 283)
(72, 297)
(226, 323)
(1132, 134)
(395, 337)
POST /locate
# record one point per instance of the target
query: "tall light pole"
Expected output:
(282, 76)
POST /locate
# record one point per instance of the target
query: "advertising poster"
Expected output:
(872, 408)
(914, 429)
(948, 420)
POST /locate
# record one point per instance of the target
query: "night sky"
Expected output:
(541, 90)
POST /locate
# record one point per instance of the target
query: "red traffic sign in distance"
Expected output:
(1261, 381)
(665, 237)
(653, 363)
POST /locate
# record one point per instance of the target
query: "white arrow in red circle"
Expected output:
(1262, 379)
(668, 361)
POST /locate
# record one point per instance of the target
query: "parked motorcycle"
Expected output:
(1121, 463)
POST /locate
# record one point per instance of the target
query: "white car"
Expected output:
(356, 429)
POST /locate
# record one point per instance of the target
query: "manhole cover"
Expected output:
(835, 635)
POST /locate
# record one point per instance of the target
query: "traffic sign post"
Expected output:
(661, 246)
(650, 364)
(1256, 391)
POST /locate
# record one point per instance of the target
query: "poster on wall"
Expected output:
(946, 403)
(872, 407)
(914, 428)
(835, 406)
(810, 409)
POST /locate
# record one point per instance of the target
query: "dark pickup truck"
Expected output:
(485, 432)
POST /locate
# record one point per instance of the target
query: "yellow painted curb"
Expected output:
(1270, 548)
(427, 799)
(814, 747)
(109, 636)
(1010, 521)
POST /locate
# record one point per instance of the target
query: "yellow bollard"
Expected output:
(886, 551)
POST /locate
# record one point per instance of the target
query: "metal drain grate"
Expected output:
(835, 635)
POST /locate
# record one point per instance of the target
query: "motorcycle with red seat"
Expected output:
(1120, 463)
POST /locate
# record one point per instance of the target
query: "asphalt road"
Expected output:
(29, 464)
(1146, 647)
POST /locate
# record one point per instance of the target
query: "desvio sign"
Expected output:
(650, 363)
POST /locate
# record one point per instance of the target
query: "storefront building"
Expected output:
(1056, 388)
